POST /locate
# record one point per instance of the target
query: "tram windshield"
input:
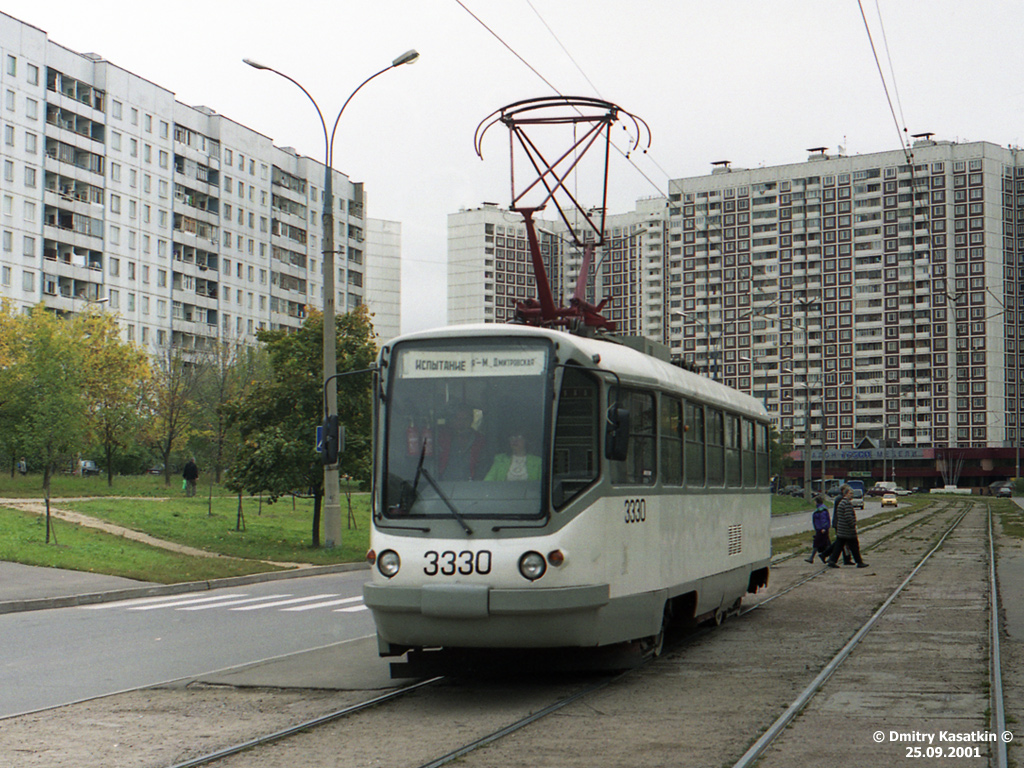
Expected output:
(466, 429)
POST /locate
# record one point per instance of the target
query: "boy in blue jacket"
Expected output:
(822, 523)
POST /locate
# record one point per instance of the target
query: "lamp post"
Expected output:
(807, 303)
(332, 485)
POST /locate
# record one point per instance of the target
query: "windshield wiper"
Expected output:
(410, 496)
(448, 503)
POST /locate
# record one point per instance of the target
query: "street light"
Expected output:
(332, 485)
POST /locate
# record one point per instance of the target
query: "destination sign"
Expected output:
(426, 364)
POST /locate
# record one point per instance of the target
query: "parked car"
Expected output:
(155, 470)
(1005, 492)
(889, 500)
(792, 490)
(88, 467)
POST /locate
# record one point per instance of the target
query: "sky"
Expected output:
(755, 82)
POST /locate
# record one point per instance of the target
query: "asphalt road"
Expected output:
(56, 657)
(60, 656)
(787, 525)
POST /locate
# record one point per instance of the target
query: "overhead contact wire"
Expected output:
(550, 85)
(874, 52)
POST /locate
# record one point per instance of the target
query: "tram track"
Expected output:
(330, 717)
(929, 740)
(704, 702)
(565, 699)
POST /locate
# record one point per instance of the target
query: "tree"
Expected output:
(11, 336)
(276, 418)
(233, 367)
(114, 375)
(173, 388)
(781, 448)
(48, 398)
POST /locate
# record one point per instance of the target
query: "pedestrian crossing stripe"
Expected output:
(238, 601)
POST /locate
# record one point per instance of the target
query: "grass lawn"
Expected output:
(788, 505)
(23, 537)
(61, 486)
(280, 532)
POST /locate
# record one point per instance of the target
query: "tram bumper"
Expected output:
(478, 616)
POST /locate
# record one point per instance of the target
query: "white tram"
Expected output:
(537, 489)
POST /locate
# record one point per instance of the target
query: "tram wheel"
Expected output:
(653, 646)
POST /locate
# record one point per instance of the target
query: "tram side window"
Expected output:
(716, 448)
(693, 428)
(763, 456)
(671, 441)
(639, 466)
(577, 423)
(733, 474)
(749, 455)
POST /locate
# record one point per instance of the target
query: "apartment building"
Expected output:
(882, 290)
(873, 302)
(191, 227)
(490, 269)
(384, 281)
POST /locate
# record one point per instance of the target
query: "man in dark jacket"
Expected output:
(191, 474)
(847, 560)
(846, 529)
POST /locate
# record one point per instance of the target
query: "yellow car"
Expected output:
(889, 500)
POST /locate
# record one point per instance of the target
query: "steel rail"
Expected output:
(928, 515)
(758, 747)
(525, 721)
(753, 753)
(551, 709)
(998, 720)
(315, 722)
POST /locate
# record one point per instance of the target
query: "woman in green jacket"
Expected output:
(517, 464)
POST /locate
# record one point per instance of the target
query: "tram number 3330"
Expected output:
(635, 510)
(449, 563)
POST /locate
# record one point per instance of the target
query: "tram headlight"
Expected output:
(388, 563)
(532, 565)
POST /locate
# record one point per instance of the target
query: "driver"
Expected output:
(460, 447)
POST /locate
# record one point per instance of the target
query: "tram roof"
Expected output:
(630, 364)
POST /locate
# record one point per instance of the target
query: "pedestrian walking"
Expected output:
(846, 529)
(847, 559)
(821, 522)
(191, 474)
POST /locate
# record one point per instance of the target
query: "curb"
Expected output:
(130, 593)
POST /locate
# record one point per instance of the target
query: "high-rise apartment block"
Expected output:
(489, 269)
(863, 298)
(191, 227)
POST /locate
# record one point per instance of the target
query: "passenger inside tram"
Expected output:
(516, 463)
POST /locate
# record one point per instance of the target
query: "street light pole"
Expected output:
(807, 303)
(332, 482)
